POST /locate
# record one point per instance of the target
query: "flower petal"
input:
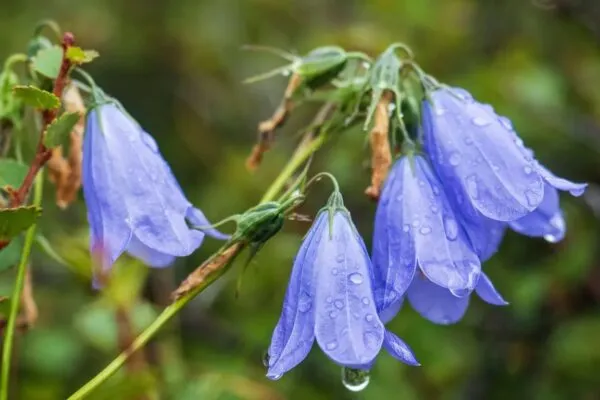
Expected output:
(109, 232)
(545, 221)
(394, 256)
(444, 252)
(149, 256)
(468, 141)
(436, 303)
(488, 293)
(576, 189)
(398, 349)
(347, 327)
(294, 336)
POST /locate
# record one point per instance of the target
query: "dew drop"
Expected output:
(356, 278)
(480, 121)
(334, 271)
(369, 317)
(463, 94)
(366, 301)
(455, 159)
(338, 304)
(421, 183)
(527, 170)
(399, 198)
(406, 228)
(425, 230)
(439, 111)
(340, 258)
(532, 198)
(506, 123)
(150, 142)
(355, 380)
(332, 345)
(472, 187)
(285, 72)
(329, 299)
(304, 303)
(577, 192)
(275, 377)
(415, 223)
(434, 209)
(451, 228)
(558, 223)
(333, 314)
(371, 340)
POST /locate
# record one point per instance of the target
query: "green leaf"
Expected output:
(79, 56)
(12, 172)
(10, 255)
(59, 130)
(15, 220)
(37, 97)
(4, 305)
(47, 62)
(9, 104)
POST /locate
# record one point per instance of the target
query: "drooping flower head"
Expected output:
(488, 172)
(134, 203)
(329, 298)
(418, 232)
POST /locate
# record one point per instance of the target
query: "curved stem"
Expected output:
(16, 296)
(300, 157)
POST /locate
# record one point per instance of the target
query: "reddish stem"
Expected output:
(43, 154)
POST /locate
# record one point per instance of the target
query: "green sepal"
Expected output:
(79, 56)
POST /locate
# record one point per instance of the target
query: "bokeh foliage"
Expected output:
(177, 67)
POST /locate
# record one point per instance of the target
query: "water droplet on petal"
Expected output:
(305, 302)
(472, 187)
(355, 380)
(577, 192)
(532, 198)
(415, 223)
(275, 377)
(340, 258)
(338, 304)
(334, 271)
(480, 121)
(434, 209)
(455, 159)
(150, 142)
(439, 111)
(451, 227)
(558, 223)
(425, 230)
(528, 170)
(333, 314)
(332, 345)
(371, 339)
(406, 228)
(369, 317)
(366, 301)
(463, 94)
(506, 123)
(329, 299)
(356, 278)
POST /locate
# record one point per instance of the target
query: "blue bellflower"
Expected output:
(134, 203)
(329, 298)
(488, 172)
(416, 229)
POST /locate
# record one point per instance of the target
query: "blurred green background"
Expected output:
(177, 67)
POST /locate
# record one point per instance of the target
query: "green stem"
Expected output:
(16, 296)
(299, 158)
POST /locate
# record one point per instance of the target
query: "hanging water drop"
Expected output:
(355, 278)
(455, 159)
(355, 380)
(480, 121)
(451, 227)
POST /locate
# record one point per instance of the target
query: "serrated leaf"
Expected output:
(59, 130)
(10, 255)
(79, 56)
(15, 220)
(47, 62)
(37, 97)
(12, 172)
(9, 104)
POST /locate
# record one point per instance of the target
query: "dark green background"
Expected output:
(177, 67)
